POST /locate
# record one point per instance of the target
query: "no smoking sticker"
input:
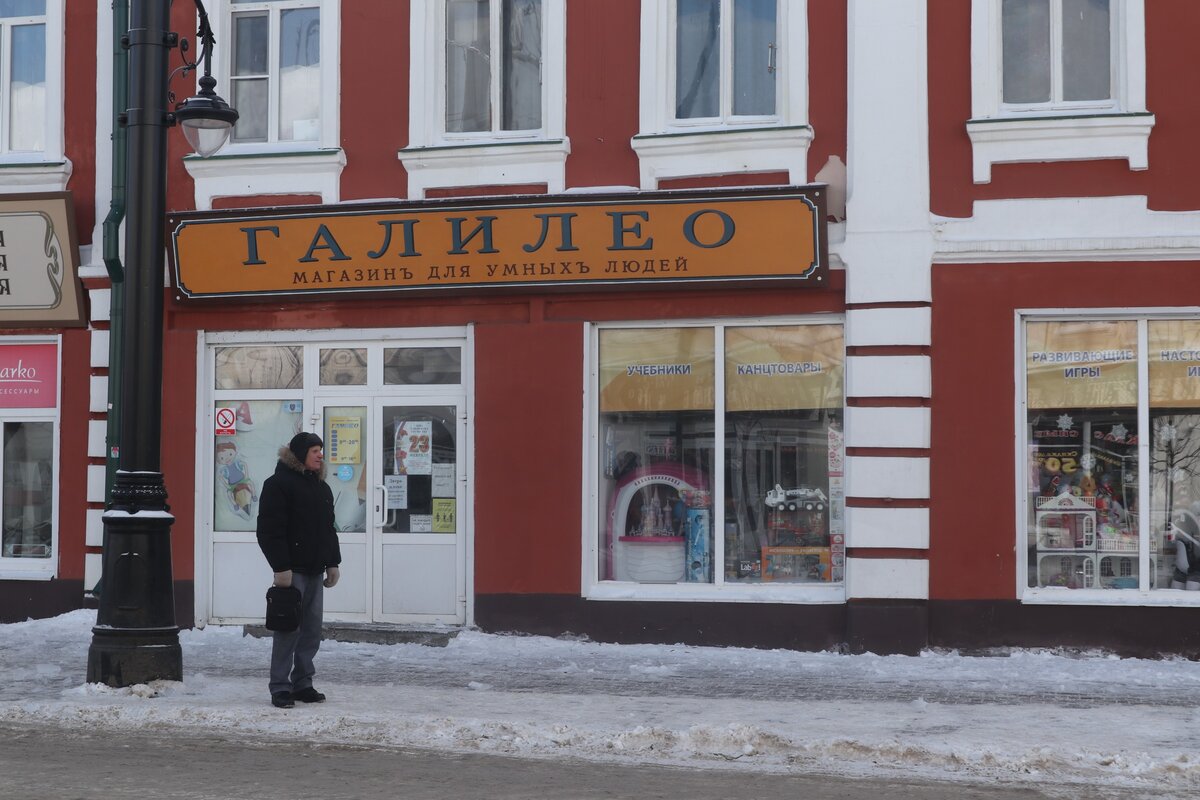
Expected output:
(225, 422)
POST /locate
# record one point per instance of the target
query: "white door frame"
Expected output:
(207, 341)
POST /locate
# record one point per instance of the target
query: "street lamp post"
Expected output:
(136, 639)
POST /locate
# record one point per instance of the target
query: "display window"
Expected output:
(1108, 508)
(29, 459)
(766, 507)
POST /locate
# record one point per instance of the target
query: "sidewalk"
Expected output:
(1079, 724)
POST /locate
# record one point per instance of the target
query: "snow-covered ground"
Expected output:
(1067, 723)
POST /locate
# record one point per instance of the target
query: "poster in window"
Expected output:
(656, 369)
(443, 480)
(1174, 363)
(345, 440)
(414, 447)
(396, 487)
(1081, 364)
(783, 367)
(247, 458)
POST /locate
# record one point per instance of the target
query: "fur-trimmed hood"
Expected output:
(289, 460)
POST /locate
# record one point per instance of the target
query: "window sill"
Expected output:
(26, 575)
(1007, 140)
(682, 154)
(1110, 597)
(22, 174)
(711, 593)
(486, 164)
(266, 172)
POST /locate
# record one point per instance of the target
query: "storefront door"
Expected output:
(394, 464)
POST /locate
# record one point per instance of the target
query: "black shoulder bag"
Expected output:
(283, 608)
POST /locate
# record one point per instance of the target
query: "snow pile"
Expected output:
(1044, 718)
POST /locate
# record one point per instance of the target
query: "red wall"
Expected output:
(827, 81)
(72, 467)
(80, 109)
(1172, 84)
(528, 424)
(973, 503)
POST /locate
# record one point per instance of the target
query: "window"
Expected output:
(767, 506)
(28, 461)
(492, 109)
(1109, 507)
(31, 96)
(280, 64)
(1058, 80)
(736, 86)
(23, 75)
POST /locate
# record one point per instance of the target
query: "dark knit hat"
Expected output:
(303, 442)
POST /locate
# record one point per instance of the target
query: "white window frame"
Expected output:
(672, 148)
(29, 568)
(48, 169)
(276, 167)
(1051, 595)
(718, 590)
(436, 158)
(1011, 133)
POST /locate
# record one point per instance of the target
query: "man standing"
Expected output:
(297, 535)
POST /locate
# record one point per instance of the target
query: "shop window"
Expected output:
(28, 462)
(487, 89)
(1058, 80)
(1092, 523)
(245, 454)
(736, 85)
(765, 508)
(275, 70)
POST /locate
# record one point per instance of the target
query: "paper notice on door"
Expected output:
(443, 480)
(345, 438)
(420, 523)
(397, 490)
(443, 515)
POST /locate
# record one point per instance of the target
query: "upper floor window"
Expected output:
(723, 89)
(725, 59)
(275, 74)
(22, 76)
(1056, 80)
(1057, 53)
(493, 66)
(487, 94)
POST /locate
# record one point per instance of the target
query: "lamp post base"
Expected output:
(125, 657)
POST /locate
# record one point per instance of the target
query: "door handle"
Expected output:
(380, 505)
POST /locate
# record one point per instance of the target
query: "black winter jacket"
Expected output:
(295, 519)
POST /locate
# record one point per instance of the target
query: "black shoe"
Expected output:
(309, 695)
(282, 700)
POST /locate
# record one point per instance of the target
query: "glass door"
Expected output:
(345, 429)
(419, 551)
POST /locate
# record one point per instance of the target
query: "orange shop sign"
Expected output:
(775, 234)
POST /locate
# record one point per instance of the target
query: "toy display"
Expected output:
(651, 536)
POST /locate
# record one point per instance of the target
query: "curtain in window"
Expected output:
(468, 66)
(697, 59)
(521, 92)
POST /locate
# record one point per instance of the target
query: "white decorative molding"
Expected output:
(97, 433)
(231, 175)
(888, 376)
(19, 175)
(906, 528)
(99, 357)
(98, 394)
(94, 528)
(887, 427)
(679, 155)
(95, 483)
(100, 301)
(883, 477)
(869, 327)
(1067, 229)
(887, 578)
(1079, 138)
(501, 163)
(93, 566)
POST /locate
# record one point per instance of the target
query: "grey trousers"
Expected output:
(292, 653)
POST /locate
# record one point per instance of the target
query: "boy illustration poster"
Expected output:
(233, 476)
